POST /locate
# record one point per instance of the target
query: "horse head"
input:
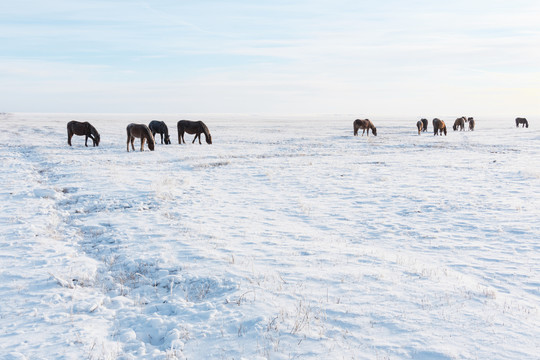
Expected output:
(97, 139)
(150, 140)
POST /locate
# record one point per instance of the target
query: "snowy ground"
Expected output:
(284, 239)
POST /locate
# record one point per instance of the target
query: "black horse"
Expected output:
(193, 127)
(424, 124)
(160, 127)
(82, 128)
(522, 121)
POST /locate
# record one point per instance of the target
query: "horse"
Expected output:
(193, 127)
(139, 131)
(424, 124)
(420, 126)
(459, 123)
(82, 128)
(439, 126)
(160, 127)
(522, 121)
(365, 124)
(471, 123)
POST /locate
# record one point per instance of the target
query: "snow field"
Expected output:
(286, 238)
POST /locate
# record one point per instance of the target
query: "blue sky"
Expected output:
(410, 58)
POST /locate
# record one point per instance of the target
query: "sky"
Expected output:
(370, 58)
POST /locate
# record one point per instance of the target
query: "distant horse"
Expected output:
(139, 131)
(439, 127)
(193, 127)
(459, 123)
(161, 128)
(420, 126)
(82, 128)
(522, 121)
(365, 124)
(424, 124)
(471, 123)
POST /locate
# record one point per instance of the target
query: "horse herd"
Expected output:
(141, 131)
(439, 126)
(147, 133)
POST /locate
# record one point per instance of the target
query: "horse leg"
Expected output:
(127, 143)
(132, 141)
(195, 138)
(70, 135)
(142, 143)
(86, 141)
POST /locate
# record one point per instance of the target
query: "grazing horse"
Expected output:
(161, 128)
(193, 127)
(459, 123)
(439, 126)
(365, 124)
(420, 126)
(424, 124)
(82, 128)
(522, 121)
(471, 123)
(139, 131)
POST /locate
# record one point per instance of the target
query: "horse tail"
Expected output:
(69, 132)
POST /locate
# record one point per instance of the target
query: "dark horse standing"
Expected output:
(439, 127)
(424, 124)
(161, 128)
(522, 121)
(139, 131)
(193, 127)
(82, 128)
(365, 124)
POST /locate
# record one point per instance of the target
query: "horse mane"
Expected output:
(206, 132)
(149, 137)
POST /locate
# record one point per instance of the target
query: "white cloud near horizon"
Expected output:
(388, 58)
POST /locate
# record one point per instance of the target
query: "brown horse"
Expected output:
(193, 127)
(420, 126)
(522, 121)
(82, 128)
(439, 127)
(424, 124)
(139, 131)
(459, 123)
(471, 123)
(365, 124)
